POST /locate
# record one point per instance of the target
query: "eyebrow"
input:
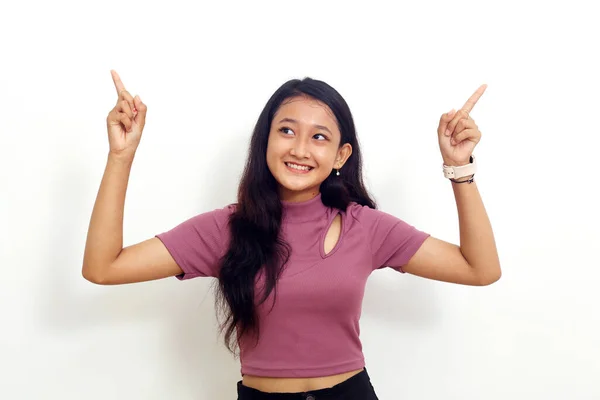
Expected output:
(316, 126)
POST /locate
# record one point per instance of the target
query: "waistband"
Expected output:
(352, 383)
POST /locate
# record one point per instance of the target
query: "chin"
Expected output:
(296, 186)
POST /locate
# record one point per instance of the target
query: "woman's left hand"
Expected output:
(458, 134)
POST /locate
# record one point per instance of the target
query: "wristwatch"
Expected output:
(455, 172)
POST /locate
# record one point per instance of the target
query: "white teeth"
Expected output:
(301, 168)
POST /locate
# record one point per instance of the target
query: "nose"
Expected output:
(300, 149)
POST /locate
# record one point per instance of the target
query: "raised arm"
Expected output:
(105, 260)
(475, 261)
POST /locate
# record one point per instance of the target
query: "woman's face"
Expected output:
(304, 133)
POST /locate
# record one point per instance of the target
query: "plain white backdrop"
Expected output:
(205, 70)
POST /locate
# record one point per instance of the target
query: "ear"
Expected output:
(343, 154)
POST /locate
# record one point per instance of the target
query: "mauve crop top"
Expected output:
(313, 328)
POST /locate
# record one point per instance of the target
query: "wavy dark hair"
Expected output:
(255, 224)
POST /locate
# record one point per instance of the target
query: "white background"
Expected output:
(205, 70)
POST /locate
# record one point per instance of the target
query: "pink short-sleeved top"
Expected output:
(312, 330)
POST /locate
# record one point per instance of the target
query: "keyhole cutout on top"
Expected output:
(333, 234)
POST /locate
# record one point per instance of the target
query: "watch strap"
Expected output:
(455, 172)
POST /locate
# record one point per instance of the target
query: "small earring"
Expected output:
(338, 172)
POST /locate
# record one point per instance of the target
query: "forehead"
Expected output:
(306, 110)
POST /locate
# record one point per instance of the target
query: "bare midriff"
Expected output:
(295, 385)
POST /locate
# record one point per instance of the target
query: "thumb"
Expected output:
(444, 121)
(140, 117)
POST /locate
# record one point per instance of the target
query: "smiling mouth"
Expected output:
(298, 168)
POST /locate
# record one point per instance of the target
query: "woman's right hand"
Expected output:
(126, 121)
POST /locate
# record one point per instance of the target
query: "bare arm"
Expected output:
(475, 261)
(105, 260)
(477, 243)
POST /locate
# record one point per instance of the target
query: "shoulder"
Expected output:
(222, 213)
(227, 211)
(363, 214)
(374, 220)
(198, 243)
(211, 221)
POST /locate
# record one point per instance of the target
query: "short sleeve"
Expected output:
(198, 244)
(393, 241)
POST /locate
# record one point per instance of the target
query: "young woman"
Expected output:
(293, 255)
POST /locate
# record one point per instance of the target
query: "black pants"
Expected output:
(357, 387)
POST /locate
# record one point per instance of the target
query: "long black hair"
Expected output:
(255, 224)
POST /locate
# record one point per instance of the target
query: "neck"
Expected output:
(297, 197)
(305, 210)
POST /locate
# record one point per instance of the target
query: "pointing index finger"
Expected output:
(473, 99)
(117, 80)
